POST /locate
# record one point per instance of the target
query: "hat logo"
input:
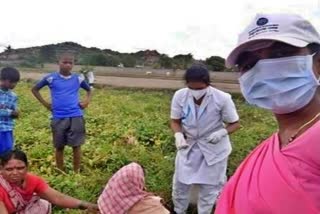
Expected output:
(262, 21)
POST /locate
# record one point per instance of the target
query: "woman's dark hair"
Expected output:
(9, 73)
(14, 154)
(197, 73)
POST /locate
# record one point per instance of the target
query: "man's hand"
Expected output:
(84, 104)
(48, 106)
(15, 114)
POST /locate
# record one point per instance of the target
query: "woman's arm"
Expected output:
(176, 125)
(3, 209)
(65, 201)
(232, 127)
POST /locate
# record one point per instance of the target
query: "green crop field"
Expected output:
(123, 125)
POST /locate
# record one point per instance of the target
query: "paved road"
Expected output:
(133, 82)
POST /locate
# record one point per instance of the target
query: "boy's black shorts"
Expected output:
(68, 131)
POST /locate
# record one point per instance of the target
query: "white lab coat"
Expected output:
(202, 162)
(217, 107)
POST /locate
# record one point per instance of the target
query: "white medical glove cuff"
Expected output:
(222, 132)
(216, 136)
(178, 135)
(180, 141)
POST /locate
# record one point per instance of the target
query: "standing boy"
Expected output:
(9, 77)
(68, 127)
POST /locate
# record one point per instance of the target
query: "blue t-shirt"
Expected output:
(64, 94)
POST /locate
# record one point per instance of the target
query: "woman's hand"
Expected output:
(65, 201)
(92, 208)
(215, 137)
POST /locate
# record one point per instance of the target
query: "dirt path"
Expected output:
(133, 82)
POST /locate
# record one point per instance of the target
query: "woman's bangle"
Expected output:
(82, 205)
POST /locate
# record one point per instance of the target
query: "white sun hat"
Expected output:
(265, 29)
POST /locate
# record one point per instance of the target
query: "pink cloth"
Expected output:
(277, 181)
(124, 189)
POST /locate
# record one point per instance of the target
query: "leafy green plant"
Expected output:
(123, 125)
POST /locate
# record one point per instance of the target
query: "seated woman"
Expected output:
(125, 193)
(22, 192)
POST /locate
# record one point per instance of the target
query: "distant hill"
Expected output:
(37, 56)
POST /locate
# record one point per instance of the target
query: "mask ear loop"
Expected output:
(315, 53)
(314, 75)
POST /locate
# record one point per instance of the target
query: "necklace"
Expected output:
(302, 127)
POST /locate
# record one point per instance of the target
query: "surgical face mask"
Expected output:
(197, 94)
(282, 85)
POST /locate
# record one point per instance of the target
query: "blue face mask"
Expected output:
(282, 85)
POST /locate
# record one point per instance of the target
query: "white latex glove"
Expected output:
(180, 141)
(215, 137)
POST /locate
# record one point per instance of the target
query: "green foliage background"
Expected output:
(114, 117)
(35, 57)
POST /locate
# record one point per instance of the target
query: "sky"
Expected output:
(201, 27)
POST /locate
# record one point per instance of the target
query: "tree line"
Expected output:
(97, 57)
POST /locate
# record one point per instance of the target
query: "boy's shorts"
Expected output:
(6, 142)
(68, 131)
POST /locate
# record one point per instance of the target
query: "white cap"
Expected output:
(288, 28)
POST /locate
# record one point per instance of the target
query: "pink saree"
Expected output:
(276, 180)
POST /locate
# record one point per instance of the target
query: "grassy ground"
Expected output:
(114, 118)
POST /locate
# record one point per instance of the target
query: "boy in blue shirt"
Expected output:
(9, 77)
(68, 126)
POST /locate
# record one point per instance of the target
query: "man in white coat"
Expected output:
(202, 117)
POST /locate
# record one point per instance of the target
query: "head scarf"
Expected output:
(124, 189)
